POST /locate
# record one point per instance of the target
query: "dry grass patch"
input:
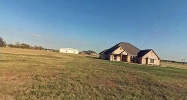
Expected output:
(52, 76)
(176, 65)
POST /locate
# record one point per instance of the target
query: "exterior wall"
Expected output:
(111, 57)
(128, 58)
(104, 56)
(143, 61)
(125, 58)
(69, 50)
(147, 61)
(118, 50)
(156, 62)
(116, 53)
(124, 53)
(118, 58)
(151, 55)
(139, 60)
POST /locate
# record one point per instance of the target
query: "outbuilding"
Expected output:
(69, 50)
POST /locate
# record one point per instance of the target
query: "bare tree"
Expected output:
(2, 42)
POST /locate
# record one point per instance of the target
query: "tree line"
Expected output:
(19, 45)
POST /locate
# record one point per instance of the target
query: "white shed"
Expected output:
(69, 50)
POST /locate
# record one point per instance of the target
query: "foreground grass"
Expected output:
(32, 74)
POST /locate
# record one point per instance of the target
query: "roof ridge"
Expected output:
(129, 48)
(148, 49)
(130, 44)
(125, 42)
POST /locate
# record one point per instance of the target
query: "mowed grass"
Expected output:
(34, 74)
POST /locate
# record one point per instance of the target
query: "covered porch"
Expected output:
(121, 57)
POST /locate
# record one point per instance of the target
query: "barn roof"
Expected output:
(68, 49)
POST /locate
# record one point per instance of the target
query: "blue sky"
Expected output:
(98, 24)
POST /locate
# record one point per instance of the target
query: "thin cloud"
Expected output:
(36, 35)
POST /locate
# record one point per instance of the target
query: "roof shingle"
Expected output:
(141, 53)
(129, 48)
(102, 52)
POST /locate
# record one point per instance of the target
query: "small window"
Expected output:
(151, 60)
(115, 57)
(132, 59)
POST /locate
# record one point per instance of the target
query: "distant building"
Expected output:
(51, 50)
(89, 52)
(69, 50)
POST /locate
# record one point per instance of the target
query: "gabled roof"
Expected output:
(102, 52)
(129, 48)
(141, 53)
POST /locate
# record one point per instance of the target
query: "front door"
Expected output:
(147, 60)
(124, 58)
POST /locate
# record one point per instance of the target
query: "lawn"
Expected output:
(35, 74)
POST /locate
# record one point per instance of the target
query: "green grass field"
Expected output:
(34, 74)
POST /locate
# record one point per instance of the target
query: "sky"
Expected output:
(96, 25)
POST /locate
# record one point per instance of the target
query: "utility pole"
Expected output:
(184, 61)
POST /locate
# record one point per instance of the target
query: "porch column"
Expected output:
(128, 58)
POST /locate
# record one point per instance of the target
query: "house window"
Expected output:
(115, 57)
(132, 59)
(151, 60)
